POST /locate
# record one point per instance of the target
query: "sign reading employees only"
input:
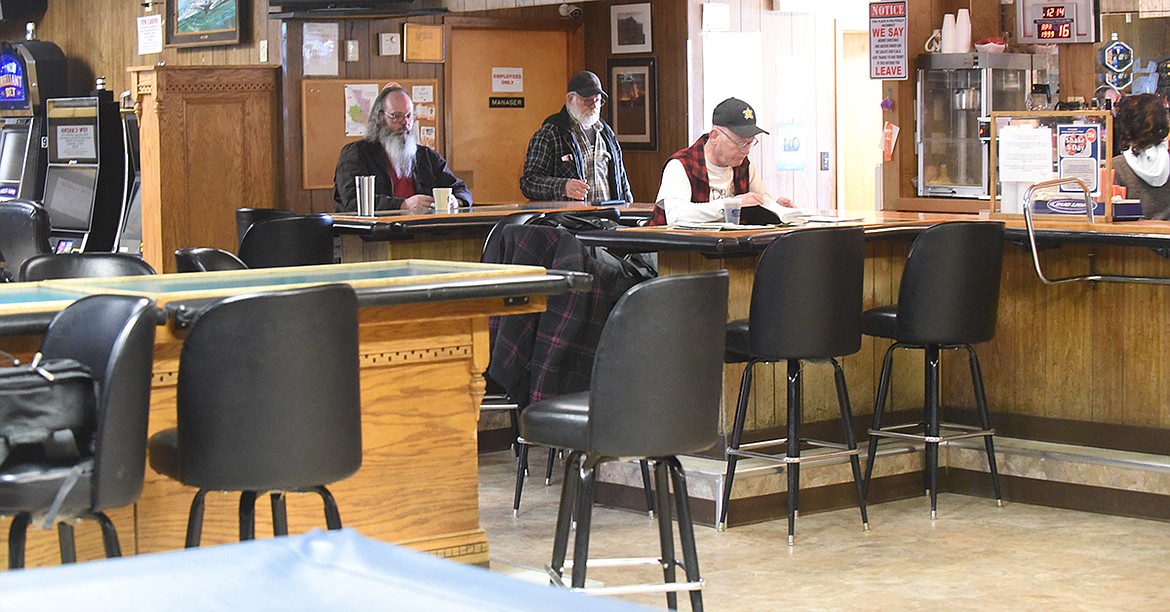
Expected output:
(887, 41)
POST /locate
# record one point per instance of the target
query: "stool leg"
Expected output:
(793, 445)
(745, 387)
(879, 405)
(565, 513)
(552, 457)
(195, 520)
(332, 516)
(984, 421)
(931, 385)
(109, 535)
(850, 440)
(279, 514)
(66, 542)
(247, 515)
(521, 470)
(646, 487)
(665, 529)
(588, 473)
(686, 530)
(17, 534)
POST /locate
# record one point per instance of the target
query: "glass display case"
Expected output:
(957, 92)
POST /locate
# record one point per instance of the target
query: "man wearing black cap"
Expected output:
(575, 155)
(697, 180)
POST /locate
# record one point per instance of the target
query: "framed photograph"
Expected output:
(633, 102)
(201, 23)
(422, 43)
(629, 28)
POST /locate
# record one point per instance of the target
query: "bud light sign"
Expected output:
(12, 89)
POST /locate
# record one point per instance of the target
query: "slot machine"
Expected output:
(31, 72)
(85, 181)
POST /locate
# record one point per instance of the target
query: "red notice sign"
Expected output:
(887, 41)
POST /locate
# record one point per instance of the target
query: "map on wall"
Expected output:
(359, 99)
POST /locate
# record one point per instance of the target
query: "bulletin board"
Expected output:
(324, 121)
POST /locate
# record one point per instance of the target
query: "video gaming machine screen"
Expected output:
(69, 194)
(12, 150)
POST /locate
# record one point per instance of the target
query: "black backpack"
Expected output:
(47, 411)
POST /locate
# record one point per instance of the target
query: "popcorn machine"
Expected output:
(957, 93)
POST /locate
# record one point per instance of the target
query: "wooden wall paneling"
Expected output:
(1068, 364)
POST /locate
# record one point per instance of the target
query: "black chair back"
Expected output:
(950, 284)
(806, 298)
(292, 241)
(82, 265)
(114, 336)
(491, 245)
(24, 232)
(658, 372)
(268, 391)
(245, 217)
(206, 259)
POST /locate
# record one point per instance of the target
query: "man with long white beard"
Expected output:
(405, 172)
(575, 155)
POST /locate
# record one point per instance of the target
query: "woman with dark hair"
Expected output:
(1141, 124)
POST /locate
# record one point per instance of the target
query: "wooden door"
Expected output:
(487, 145)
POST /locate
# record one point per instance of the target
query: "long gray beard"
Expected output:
(401, 149)
(585, 118)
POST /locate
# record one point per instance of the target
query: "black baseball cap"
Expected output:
(586, 84)
(737, 116)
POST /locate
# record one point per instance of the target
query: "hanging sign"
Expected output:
(887, 41)
(507, 80)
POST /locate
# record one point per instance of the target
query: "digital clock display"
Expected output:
(1052, 12)
(1048, 30)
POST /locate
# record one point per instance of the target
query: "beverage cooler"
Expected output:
(956, 94)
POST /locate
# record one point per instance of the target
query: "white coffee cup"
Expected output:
(731, 208)
(443, 200)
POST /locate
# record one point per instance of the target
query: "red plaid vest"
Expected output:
(696, 167)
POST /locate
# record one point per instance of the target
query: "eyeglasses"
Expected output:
(399, 117)
(598, 100)
(742, 145)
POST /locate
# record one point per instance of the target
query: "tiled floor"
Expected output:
(974, 557)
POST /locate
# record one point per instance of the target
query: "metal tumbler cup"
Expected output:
(365, 195)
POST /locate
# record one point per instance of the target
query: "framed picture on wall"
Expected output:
(633, 102)
(629, 28)
(202, 23)
(422, 43)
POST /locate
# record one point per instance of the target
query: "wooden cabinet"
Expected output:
(209, 138)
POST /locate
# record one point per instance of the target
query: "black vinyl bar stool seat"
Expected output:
(113, 335)
(948, 299)
(206, 259)
(654, 395)
(24, 233)
(83, 265)
(806, 305)
(288, 241)
(267, 401)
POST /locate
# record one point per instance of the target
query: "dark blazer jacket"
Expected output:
(363, 157)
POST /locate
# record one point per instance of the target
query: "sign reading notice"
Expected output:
(887, 41)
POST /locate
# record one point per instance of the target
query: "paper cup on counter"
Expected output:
(731, 208)
(443, 199)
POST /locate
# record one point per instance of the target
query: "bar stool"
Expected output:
(806, 304)
(654, 395)
(947, 300)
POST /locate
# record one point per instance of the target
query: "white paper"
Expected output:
(359, 99)
(716, 17)
(1025, 154)
(76, 142)
(150, 34)
(507, 80)
(319, 50)
(422, 94)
